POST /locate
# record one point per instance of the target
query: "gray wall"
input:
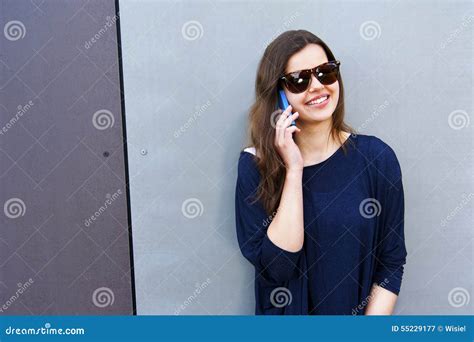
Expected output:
(60, 162)
(189, 70)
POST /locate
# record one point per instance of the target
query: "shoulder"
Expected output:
(247, 170)
(376, 149)
(383, 158)
(250, 150)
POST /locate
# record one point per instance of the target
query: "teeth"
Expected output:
(318, 101)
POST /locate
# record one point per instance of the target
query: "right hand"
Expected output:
(284, 143)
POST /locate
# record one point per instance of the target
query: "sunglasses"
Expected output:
(298, 81)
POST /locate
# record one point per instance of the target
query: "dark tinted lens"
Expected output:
(298, 82)
(327, 73)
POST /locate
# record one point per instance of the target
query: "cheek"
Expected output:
(334, 89)
(296, 100)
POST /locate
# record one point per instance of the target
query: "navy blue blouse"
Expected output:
(354, 233)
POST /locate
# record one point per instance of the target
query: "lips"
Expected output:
(317, 97)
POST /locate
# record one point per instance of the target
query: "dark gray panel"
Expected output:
(62, 161)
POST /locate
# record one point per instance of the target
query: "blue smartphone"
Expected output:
(283, 102)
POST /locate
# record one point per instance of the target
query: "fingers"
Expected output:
(283, 135)
(290, 119)
(288, 110)
(285, 121)
(289, 132)
(279, 127)
(283, 129)
(283, 115)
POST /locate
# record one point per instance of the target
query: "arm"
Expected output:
(274, 251)
(287, 227)
(381, 302)
(271, 262)
(392, 257)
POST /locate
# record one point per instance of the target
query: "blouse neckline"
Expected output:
(307, 167)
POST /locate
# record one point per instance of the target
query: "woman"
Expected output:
(319, 209)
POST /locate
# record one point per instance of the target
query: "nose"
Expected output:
(315, 84)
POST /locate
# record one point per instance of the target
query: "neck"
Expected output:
(314, 140)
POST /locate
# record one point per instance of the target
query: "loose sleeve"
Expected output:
(392, 256)
(271, 262)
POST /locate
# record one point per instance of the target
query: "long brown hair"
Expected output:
(261, 131)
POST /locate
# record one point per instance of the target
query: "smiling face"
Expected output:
(309, 57)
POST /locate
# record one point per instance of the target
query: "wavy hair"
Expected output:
(261, 131)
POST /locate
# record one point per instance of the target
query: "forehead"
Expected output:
(309, 57)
